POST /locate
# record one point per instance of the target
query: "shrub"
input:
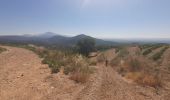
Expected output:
(133, 64)
(2, 49)
(79, 71)
(79, 77)
(144, 79)
(75, 65)
(92, 63)
(115, 61)
(123, 53)
(101, 58)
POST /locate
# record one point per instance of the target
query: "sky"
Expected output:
(98, 18)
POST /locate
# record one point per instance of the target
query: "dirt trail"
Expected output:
(23, 77)
(107, 84)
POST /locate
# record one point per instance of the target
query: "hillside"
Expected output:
(30, 79)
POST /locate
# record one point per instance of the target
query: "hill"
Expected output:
(50, 38)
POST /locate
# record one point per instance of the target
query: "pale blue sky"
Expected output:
(99, 18)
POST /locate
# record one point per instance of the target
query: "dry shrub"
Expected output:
(144, 79)
(115, 62)
(101, 58)
(133, 64)
(79, 77)
(93, 63)
(78, 69)
(2, 49)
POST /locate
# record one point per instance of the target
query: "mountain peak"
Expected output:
(47, 35)
(82, 36)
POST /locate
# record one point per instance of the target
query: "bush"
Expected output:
(79, 71)
(133, 65)
(144, 79)
(73, 64)
(101, 58)
(79, 77)
(93, 63)
(123, 53)
(2, 49)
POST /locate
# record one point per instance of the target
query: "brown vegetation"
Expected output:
(2, 49)
(137, 68)
(76, 65)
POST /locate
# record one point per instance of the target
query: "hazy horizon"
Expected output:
(124, 19)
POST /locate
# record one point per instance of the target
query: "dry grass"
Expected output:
(144, 79)
(93, 63)
(79, 77)
(2, 49)
(101, 58)
(137, 69)
(75, 65)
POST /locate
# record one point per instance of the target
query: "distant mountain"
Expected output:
(73, 40)
(46, 35)
(50, 38)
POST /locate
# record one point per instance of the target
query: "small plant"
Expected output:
(2, 49)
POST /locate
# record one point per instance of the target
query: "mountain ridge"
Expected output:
(50, 38)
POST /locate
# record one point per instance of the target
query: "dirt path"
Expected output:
(23, 77)
(107, 84)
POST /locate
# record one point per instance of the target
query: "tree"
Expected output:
(85, 46)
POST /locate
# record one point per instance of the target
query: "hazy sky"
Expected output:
(100, 18)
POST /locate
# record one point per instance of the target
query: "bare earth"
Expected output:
(23, 77)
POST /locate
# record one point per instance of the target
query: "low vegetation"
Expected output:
(159, 54)
(101, 58)
(144, 79)
(151, 48)
(136, 68)
(75, 65)
(147, 51)
(2, 49)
